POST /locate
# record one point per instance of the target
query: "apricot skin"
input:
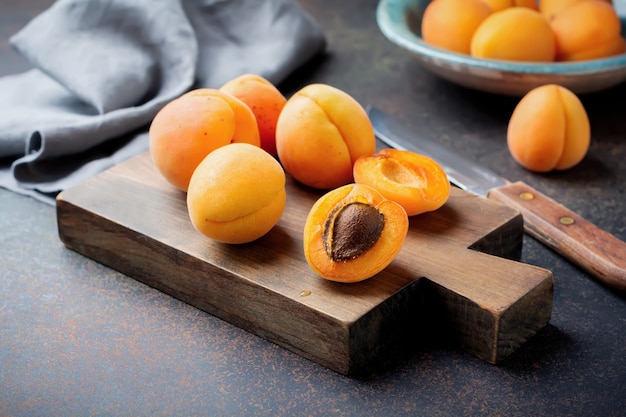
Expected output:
(497, 5)
(450, 24)
(588, 29)
(190, 127)
(515, 34)
(549, 129)
(265, 101)
(369, 263)
(416, 182)
(236, 194)
(320, 133)
(550, 8)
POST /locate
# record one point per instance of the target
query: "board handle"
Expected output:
(595, 250)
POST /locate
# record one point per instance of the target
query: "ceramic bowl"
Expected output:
(400, 22)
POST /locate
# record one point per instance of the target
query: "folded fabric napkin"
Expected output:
(103, 68)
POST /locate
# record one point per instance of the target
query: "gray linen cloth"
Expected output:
(103, 68)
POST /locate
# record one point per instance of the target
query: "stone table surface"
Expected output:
(79, 339)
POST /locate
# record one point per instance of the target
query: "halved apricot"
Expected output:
(353, 232)
(416, 182)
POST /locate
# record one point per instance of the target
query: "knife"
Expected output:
(585, 244)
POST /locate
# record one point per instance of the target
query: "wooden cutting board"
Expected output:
(456, 272)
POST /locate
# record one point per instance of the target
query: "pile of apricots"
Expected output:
(230, 150)
(525, 30)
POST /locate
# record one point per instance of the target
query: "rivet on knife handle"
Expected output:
(595, 250)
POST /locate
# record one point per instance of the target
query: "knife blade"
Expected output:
(596, 251)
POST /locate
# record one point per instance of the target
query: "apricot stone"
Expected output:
(320, 133)
(190, 127)
(450, 24)
(353, 232)
(549, 129)
(416, 182)
(236, 194)
(515, 34)
(265, 101)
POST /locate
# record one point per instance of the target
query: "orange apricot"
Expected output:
(549, 129)
(550, 8)
(320, 132)
(416, 182)
(587, 30)
(193, 125)
(497, 5)
(236, 194)
(265, 101)
(353, 232)
(450, 24)
(515, 34)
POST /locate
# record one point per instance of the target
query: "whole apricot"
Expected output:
(320, 133)
(550, 8)
(193, 125)
(497, 5)
(587, 30)
(549, 129)
(450, 24)
(265, 101)
(236, 194)
(416, 182)
(353, 232)
(514, 34)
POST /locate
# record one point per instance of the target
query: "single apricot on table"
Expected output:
(515, 34)
(193, 125)
(265, 101)
(353, 232)
(586, 30)
(416, 182)
(237, 194)
(320, 133)
(549, 129)
(450, 24)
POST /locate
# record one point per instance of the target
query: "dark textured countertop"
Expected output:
(79, 339)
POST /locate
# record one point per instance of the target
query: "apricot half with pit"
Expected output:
(320, 133)
(549, 129)
(353, 232)
(236, 194)
(416, 182)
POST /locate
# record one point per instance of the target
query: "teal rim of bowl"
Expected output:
(392, 17)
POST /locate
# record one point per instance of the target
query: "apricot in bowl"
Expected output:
(416, 182)
(320, 133)
(352, 233)
(236, 194)
(549, 129)
(193, 125)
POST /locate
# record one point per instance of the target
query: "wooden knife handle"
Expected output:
(595, 250)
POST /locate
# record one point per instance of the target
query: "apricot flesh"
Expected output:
(320, 133)
(352, 233)
(265, 101)
(236, 194)
(450, 24)
(549, 129)
(416, 182)
(514, 34)
(190, 127)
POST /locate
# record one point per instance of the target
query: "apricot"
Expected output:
(320, 133)
(236, 194)
(353, 232)
(416, 182)
(550, 8)
(549, 129)
(587, 30)
(265, 101)
(450, 24)
(193, 125)
(514, 34)
(497, 5)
